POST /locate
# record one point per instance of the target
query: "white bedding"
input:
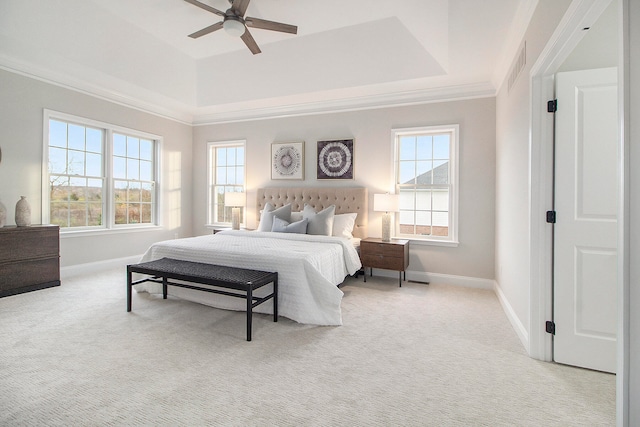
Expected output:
(309, 270)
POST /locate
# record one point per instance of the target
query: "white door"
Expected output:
(585, 253)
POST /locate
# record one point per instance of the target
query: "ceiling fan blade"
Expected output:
(263, 24)
(240, 7)
(206, 7)
(250, 42)
(206, 30)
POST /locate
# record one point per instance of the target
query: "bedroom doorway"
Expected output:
(585, 232)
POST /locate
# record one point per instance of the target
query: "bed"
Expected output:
(310, 266)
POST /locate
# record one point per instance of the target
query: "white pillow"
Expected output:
(296, 216)
(320, 223)
(343, 225)
(282, 226)
(266, 219)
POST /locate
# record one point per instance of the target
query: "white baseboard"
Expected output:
(445, 279)
(90, 267)
(517, 325)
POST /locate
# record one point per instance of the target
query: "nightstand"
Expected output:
(393, 255)
(217, 229)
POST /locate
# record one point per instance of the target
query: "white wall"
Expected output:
(512, 267)
(21, 138)
(373, 169)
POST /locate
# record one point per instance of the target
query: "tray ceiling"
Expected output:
(355, 54)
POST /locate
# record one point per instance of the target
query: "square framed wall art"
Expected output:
(287, 160)
(335, 159)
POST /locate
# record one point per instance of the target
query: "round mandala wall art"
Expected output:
(287, 160)
(335, 159)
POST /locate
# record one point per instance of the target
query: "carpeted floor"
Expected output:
(413, 356)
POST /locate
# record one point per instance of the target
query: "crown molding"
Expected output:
(199, 116)
(366, 102)
(156, 106)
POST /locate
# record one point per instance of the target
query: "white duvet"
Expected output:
(309, 270)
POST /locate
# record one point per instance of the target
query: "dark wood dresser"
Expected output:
(29, 258)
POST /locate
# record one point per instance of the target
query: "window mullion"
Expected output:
(107, 176)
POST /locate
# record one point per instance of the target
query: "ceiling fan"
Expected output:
(235, 23)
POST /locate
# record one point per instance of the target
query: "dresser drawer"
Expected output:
(18, 243)
(22, 274)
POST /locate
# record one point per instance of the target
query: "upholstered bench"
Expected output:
(242, 280)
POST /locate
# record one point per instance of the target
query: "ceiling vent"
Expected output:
(518, 65)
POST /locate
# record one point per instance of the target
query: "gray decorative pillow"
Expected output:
(282, 226)
(268, 213)
(320, 223)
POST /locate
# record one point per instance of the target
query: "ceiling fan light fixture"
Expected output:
(234, 23)
(233, 27)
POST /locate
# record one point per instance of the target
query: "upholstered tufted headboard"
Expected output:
(346, 200)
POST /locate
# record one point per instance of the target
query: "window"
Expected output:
(98, 176)
(426, 180)
(76, 179)
(226, 166)
(133, 183)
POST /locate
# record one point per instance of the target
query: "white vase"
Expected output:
(23, 212)
(3, 215)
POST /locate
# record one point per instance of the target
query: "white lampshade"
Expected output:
(235, 199)
(386, 202)
(233, 27)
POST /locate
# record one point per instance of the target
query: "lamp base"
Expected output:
(386, 227)
(235, 218)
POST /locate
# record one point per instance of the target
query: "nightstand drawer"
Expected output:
(386, 262)
(382, 249)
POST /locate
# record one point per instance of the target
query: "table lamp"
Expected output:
(235, 201)
(386, 203)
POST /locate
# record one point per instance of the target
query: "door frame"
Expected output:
(580, 14)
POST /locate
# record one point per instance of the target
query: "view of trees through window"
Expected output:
(80, 174)
(75, 175)
(133, 179)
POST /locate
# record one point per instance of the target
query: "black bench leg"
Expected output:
(164, 287)
(249, 311)
(128, 289)
(275, 300)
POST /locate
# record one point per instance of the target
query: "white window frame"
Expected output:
(108, 201)
(454, 129)
(211, 180)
